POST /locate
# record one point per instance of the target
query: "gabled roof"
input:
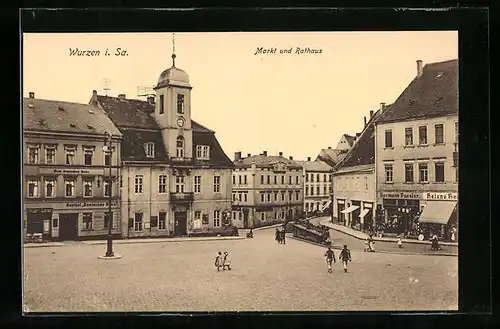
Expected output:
(363, 151)
(315, 166)
(433, 94)
(331, 156)
(350, 139)
(53, 115)
(265, 161)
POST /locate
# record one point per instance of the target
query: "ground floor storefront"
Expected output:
(356, 214)
(258, 216)
(75, 220)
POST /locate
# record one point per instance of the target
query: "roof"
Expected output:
(133, 145)
(315, 166)
(350, 139)
(331, 156)
(363, 151)
(433, 94)
(265, 161)
(52, 115)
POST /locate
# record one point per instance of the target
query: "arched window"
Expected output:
(180, 147)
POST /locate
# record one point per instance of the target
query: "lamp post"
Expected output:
(108, 148)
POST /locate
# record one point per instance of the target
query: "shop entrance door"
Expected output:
(245, 219)
(68, 227)
(180, 218)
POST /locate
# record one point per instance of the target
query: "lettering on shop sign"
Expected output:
(401, 195)
(38, 210)
(445, 196)
(89, 204)
(72, 171)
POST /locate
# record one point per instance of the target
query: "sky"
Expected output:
(295, 103)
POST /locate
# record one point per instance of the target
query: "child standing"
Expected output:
(345, 257)
(400, 242)
(329, 257)
(218, 261)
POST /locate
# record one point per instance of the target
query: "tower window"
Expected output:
(180, 104)
(162, 104)
(180, 147)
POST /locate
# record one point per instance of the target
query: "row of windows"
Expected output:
(351, 183)
(88, 221)
(326, 190)
(180, 183)
(315, 206)
(242, 196)
(266, 179)
(422, 135)
(268, 196)
(69, 152)
(310, 177)
(180, 104)
(160, 222)
(50, 188)
(422, 171)
(275, 215)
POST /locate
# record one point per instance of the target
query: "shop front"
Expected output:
(366, 217)
(440, 215)
(355, 215)
(401, 209)
(37, 222)
(340, 210)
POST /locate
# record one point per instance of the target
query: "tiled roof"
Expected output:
(315, 166)
(133, 145)
(331, 156)
(435, 93)
(266, 161)
(350, 139)
(217, 155)
(363, 150)
(52, 115)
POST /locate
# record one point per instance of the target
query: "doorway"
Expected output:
(245, 219)
(68, 227)
(180, 218)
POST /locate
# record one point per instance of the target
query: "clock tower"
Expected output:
(173, 111)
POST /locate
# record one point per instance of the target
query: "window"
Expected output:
(307, 190)
(216, 218)
(262, 216)
(87, 220)
(234, 180)
(107, 188)
(50, 188)
(87, 187)
(324, 177)
(33, 189)
(206, 152)
(268, 179)
(268, 197)
(162, 104)
(107, 158)
(50, 155)
(70, 187)
(180, 103)
(409, 173)
(150, 150)
(325, 190)
(366, 184)
(456, 132)
(307, 177)
(312, 190)
(245, 195)
(409, 136)
(318, 190)
(138, 184)
(439, 172)
(70, 156)
(388, 138)
(162, 220)
(297, 195)
(282, 196)
(317, 178)
(197, 184)
(422, 168)
(275, 196)
(312, 178)
(290, 196)
(289, 180)
(439, 134)
(239, 196)
(197, 218)
(275, 179)
(262, 179)
(202, 152)
(282, 179)
(239, 180)
(245, 179)
(33, 154)
(422, 135)
(162, 184)
(138, 221)
(297, 180)
(262, 197)
(216, 184)
(55, 222)
(87, 156)
(180, 147)
(179, 184)
(388, 173)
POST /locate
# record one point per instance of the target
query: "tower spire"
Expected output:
(173, 49)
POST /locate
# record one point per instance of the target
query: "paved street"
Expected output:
(180, 276)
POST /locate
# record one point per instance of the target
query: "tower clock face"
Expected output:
(180, 122)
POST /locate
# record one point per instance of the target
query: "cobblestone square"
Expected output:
(265, 276)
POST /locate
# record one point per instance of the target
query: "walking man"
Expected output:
(226, 262)
(218, 261)
(330, 257)
(345, 257)
(283, 237)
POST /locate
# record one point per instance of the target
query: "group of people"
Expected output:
(344, 256)
(222, 261)
(280, 235)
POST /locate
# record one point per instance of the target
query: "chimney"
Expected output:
(291, 157)
(264, 153)
(151, 100)
(309, 159)
(420, 68)
(382, 107)
(329, 147)
(371, 114)
(249, 155)
(280, 154)
(237, 156)
(365, 122)
(121, 96)
(32, 94)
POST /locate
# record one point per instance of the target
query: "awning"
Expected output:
(363, 213)
(326, 205)
(350, 209)
(437, 212)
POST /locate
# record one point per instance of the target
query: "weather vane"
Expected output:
(173, 49)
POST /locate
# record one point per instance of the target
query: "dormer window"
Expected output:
(202, 152)
(149, 148)
(180, 147)
(180, 104)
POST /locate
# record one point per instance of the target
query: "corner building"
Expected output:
(176, 177)
(417, 153)
(66, 190)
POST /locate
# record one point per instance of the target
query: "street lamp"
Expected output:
(109, 150)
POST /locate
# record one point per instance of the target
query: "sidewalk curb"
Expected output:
(43, 245)
(135, 241)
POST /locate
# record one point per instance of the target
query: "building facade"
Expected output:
(354, 196)
(176, 177)
(266, 190)
(317, 186)
(417, 153)
(66, 190)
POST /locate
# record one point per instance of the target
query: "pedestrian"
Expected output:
(218, 261)
(400, 242)
(278, 235)
(330, 257)
(283, 237)
(345, 257)
(226, 262)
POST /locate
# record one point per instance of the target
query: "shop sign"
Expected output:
(401, 195)
(90, 204)
(71, 171)
(443, 196)
(38, 210)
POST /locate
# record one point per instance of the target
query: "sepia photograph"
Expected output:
(240, 171)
